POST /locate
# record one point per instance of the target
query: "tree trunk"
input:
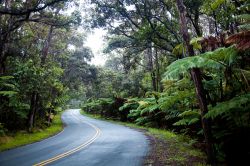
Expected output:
(196, 76)
(215, 24)
(3, 56)
(33, 105)
(45, 49)
(158, 76)
(2, 66)
(151, 66)
(200, 93)
(196, 21)
(49, 117)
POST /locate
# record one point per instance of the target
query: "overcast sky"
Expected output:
(96, 42)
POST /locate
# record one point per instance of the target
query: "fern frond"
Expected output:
(190, 113)
(241, 39)
(217, 3)
(225, 55)
(168, 101)
(245, 27)
(149, 110)
(182, 66)
(179, 49)
(236, 104)
(209, 60)
(187, 121)
(196, 42)
(130, 106)
(6, 78)
(245, 17)
(7, 93)
(188, 117)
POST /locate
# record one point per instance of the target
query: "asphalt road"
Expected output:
(83, 142)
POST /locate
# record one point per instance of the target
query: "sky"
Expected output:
(95, 41)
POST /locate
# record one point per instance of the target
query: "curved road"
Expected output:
(83, 142)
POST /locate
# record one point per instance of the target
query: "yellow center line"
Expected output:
(90, 141)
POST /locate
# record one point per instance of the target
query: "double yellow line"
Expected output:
(97, 134)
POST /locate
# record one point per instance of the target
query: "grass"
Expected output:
(23, 137)
(170, 148)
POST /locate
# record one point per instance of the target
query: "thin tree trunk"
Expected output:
(196, 76)
(215, 24)
(196, 21)
(3, 56)
(158, 76)
(151, 66)
(33, 105)
(49, 119)
(45, 49)
(2, 66)
(221, 90)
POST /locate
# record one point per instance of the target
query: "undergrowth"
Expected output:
(12, 140)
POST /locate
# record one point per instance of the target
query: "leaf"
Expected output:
(8, 93)
(183, 66)
(195, 42)
(241, 39)
(245, 17)
(182, 122)
(6, 77)
(190, 113)
(179, 49)
(208, 60)
(217, 3)
(194, 120)
(236, 104)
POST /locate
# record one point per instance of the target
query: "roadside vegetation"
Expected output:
(20, 138)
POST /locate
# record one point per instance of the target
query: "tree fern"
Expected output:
(180, 96)
(7, 88)
(129, 105)
(224, 109)
(209, 60)
(188, 117)
(242, 39)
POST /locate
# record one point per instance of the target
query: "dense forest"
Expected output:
(180, 65)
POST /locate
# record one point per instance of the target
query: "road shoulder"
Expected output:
(21, 138)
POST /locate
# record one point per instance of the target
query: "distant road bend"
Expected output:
(83, 142)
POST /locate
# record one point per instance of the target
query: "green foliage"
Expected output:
(195, 42)
(215, 60)
(131, 104)
(188, 118)
(106, 107)
(33, 64)
(2, 130)
(238, 104)
(6, 87)
(217, 3)
(22, 137)
(179, 49)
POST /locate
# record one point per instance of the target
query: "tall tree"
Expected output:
(197, 79)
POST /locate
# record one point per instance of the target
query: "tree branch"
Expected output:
(20, 12)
